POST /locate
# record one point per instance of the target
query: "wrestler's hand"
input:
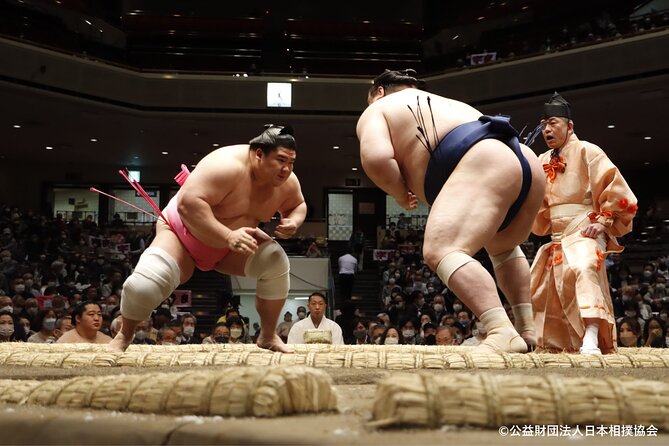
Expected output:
(286, 228)
(242, 240)
(408, 202)
(593, 230)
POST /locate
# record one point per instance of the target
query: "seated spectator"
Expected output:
(655, 333)
(8, 331)
(429, 336)
(188, 322)
(87, 321)
(409, 331)
(629, 332)
(221, 335)
(444, 335)
(315, 320)
(360, 332)
(391, 336)
(166, 336)
(142, 334)
(478, 335)
(313, 250)
(115, 326)
(24, 323)
(284, 327)
(63, 324)
(44, 326)
(6, 304)
(236, 327)
(376, 333)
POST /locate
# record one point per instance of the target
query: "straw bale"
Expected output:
(246, 391)
(489, 400)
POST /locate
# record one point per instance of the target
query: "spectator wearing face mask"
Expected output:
(8, 265)
(375, 333)
(360, 333)
(6, 304)
(409, 331)
(629, 332)
(8, 328)
(30, 309)
(166, 336)
(188, 323)
(391, 336)
(142, 334)
(221, 335)
(655, 333)
(438, 307)
(24, 324)
(648, 274)
(236, 327)
(478, 335)
(301, 313)
(631, 311)
(44, 325)
(464, 319)
(429, 334)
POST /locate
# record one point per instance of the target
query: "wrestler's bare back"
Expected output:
(410, 154)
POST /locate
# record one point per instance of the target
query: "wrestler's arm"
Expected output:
(377, 155)
(293, 210)
(206, 187)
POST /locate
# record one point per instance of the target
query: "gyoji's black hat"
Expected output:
(557, 106)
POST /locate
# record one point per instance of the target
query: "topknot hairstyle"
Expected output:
(390, 78)
(274, 136)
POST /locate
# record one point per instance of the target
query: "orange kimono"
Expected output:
(568, 276)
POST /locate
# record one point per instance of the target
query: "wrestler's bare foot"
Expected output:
(119, 344)
(502, 341)
(274, 344)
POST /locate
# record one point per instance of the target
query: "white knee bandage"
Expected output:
(451, 263)
(155, 277)
(270, 266)
(502, 257)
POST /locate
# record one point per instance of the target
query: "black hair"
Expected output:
(317, 294)
(80, 308)
(234, 320)
(273, 137)
(391, 78)
(658, 342)
(385, 335)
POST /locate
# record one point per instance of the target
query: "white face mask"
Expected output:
(7, 308)
(140, 335)
(391, 341)
(457, 307)
(628, 340)
(408, 333)
(438, 308)
(20, 288)
(301, 315)
(49, 324)
(6, 330)
(235, 332)
(188, 331)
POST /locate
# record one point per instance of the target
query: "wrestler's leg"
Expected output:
(512, 269)
(167, 241)
(268, 306)
(462, 220)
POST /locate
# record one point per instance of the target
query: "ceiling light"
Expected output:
(87, 22)
(49, 148)
(192, 166)
(647, 163)
(16, 126)
(481, 18)
(611, 126)
(164, 153)
(136, 157)
(335, 147)
(215, 144)
(647, 138)
(354, 168)
(245, 75)
(94, 140)
(455, 36)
